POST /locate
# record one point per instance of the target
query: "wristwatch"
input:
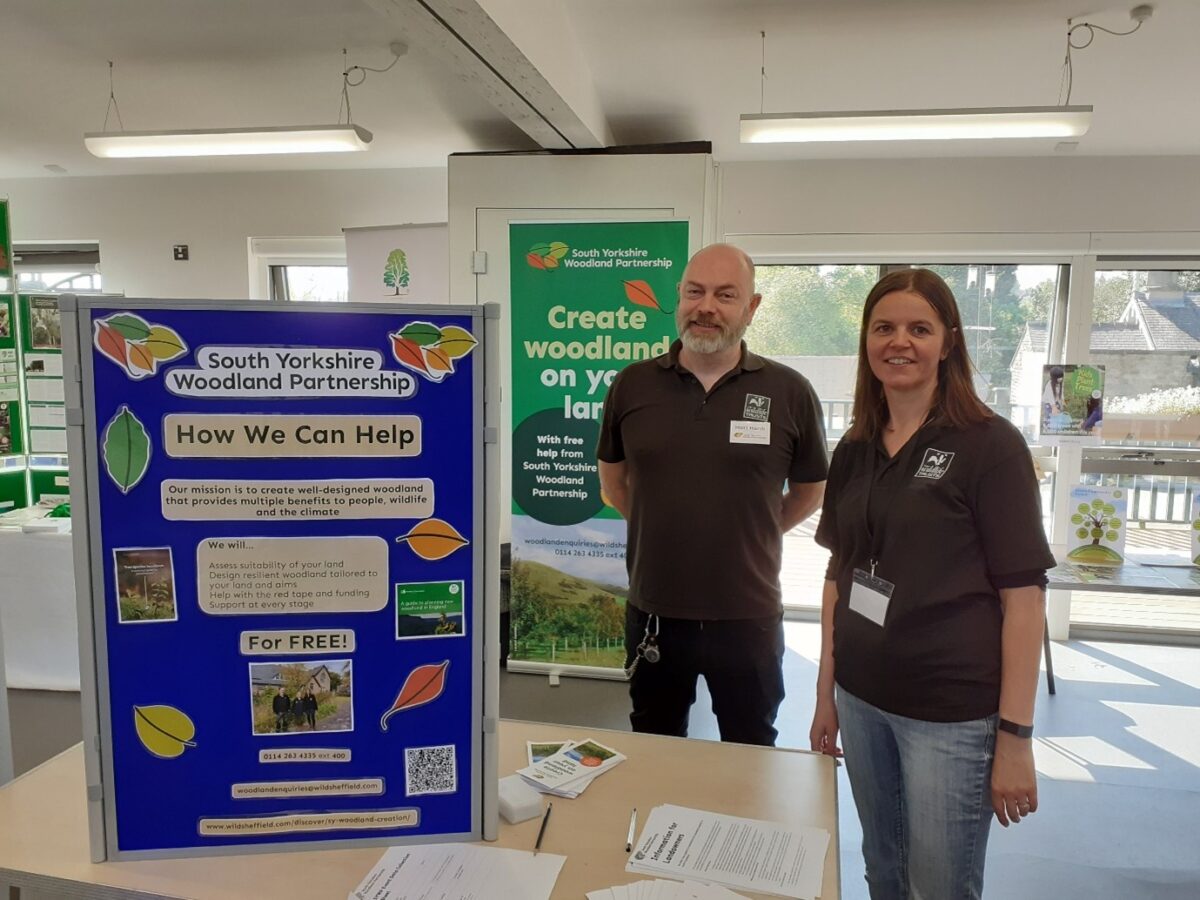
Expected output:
(1021, 731)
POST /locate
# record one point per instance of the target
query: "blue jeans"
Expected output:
(923, 792)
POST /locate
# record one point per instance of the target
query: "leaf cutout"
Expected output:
(141, 360)
(540, 249)
(126, 449)
(438, 360)
(535, 260)
(433, 539)
(164, 730)
(408, 354)
(131, 327)
(165, 344)
(112, 344)
(558, 250)
(424, 684)
(549, 262)
(640, 293)
(421, 333)
(456, 342)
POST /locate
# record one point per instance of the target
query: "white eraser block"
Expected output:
(518, 801)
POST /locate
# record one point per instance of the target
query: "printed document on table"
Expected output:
(585, 759)
(677, 842)
(459, 872)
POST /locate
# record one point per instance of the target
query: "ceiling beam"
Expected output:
(512, 72)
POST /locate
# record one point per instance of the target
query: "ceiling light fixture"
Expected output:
(987, 123)
(917, 124)
(272, 139)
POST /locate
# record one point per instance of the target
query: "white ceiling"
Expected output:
(663, 70)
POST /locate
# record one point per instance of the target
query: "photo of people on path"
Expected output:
(291, 698)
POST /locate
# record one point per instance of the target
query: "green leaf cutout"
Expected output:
(131, 327)
(126, 449)
(421, 333)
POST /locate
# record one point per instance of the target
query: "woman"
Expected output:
(934, 604)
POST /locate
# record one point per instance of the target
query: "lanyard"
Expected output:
(902, 462)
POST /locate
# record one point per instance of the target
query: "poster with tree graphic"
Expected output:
(588, 299)
(1098, 516)
(263, 489)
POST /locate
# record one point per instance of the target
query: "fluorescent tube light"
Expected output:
(228, 141)
(917, 124)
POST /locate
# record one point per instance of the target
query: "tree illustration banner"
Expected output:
(266, 489)
(588, 299)
(1098, 517)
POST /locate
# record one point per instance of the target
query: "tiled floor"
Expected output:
(1117, 753)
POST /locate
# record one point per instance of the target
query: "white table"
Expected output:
(37, 611)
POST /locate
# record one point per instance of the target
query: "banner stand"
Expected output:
(284, 502)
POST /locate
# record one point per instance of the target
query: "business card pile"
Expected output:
(566, 768)
(661, 889)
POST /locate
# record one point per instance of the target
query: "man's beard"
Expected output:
(710, 343)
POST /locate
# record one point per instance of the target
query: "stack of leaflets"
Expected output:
(662, 889)
(565, 769)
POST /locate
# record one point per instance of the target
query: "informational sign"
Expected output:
(588, 299)
(6, 254)
(41, 358)
(11, 427)
(261, 487)
(399, 263)
(1098, 517)
(1072, 406)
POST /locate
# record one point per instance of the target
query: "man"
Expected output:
(695, 448)
(281, 705)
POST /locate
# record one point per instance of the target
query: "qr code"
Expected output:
(430, 770)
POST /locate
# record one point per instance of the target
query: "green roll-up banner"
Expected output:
(588, 298)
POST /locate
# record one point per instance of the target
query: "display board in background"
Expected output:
(6, 254)
(12, 431)
(391, 263)
(588, 299)
(281, 523)
(41, 358)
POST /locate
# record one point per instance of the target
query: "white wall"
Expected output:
(1036, 195)
(137, 219)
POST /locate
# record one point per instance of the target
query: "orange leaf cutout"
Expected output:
(642, 294)
(111, 343)
(534, 260)
(549, 262)
(408, 353)
(433, 539)
(140, 358)
(424, 684)
(438, 360)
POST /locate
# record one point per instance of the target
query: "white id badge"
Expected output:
(870, 596)
(744, 432)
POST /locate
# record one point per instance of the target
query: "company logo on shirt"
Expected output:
(758, 408)
(935, 464)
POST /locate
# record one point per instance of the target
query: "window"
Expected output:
(309, 283)
(54, 268)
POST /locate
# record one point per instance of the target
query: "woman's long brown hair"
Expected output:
(955, 403)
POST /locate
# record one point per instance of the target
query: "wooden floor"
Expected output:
(804, 562)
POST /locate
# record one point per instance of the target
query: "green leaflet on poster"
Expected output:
(126, 449)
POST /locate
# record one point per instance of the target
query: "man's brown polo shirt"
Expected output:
(704, 519)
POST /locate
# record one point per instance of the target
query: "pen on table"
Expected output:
(542, 831)
(632, 827)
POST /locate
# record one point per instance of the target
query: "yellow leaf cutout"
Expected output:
(456, 342)
(433, 539)
(163, 343)
(164, 730)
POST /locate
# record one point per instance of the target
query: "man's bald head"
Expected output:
(726, 251)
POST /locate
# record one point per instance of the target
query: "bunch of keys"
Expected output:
(648, 648)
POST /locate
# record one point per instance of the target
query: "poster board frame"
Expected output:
(83, 453)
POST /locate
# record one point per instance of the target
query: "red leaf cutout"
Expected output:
(534, 260)
(424, 684)
(408, 353)
(112, 344)
(642, 294)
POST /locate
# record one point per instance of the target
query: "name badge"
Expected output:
(870, 596)
(743, 432)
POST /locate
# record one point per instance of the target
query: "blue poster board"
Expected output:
(287, 538)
